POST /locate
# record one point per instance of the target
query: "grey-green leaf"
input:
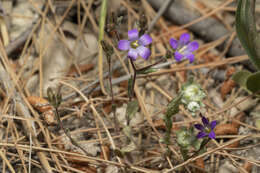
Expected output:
(241, 78)
(173, 106)
(246, 30)
(253, 82)
(129, 148)
(132, 108)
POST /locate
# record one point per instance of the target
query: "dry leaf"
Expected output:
(233, 145)
(230, 129)
(39, 103)
(200, 163)
(123, 84)
(159, 124)
(42, 105)
(230, 71)
(248, 166)
(49, 117)
(107, 108)
(228, 84)
(239, 117)
(226, 87)
(226, 129)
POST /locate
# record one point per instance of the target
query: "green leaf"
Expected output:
(128, 131)
(249, 81)
(241, 78)
(147, 71)
(246, 30)
(132, 108)
(173, 106)
(130, 88)
(185, 137)
(129, 148)
(257, 123)
(253, 82)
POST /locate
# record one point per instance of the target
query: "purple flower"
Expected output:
(136, 45)
(184, 48)
(207, 129)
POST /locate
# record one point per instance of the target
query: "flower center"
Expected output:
(207, 130)
(183, 49)
(134, 44)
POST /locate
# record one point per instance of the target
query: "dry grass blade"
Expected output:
(7, 162)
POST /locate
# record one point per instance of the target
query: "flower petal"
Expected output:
(133, 54)
(123, 45)
(199, 127)
(212, 135)
(144, 52)
(178, 56)
(190, 57)
(145, 40)
(173, 43)
(184, 39)
(205, 121)
(192, 46)
(213, 124)
(201, 135)
(133, 34)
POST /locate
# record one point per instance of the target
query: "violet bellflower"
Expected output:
(184, 48)
(136, 45)
(207, 129)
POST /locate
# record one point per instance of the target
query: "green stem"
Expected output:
(102, 20)
(67, 133)
(203, 144)
(100, 38)
(172, 109)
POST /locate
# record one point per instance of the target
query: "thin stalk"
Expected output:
(204, 143)
(112, 93)
(131, 90)
(67, 133)
(149, 66)
(100, 38)
(134, 78)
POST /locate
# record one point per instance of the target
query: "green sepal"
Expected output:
(173, 106)
(147, 71)
(132, 108)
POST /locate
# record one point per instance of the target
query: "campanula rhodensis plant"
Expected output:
(191, 94)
